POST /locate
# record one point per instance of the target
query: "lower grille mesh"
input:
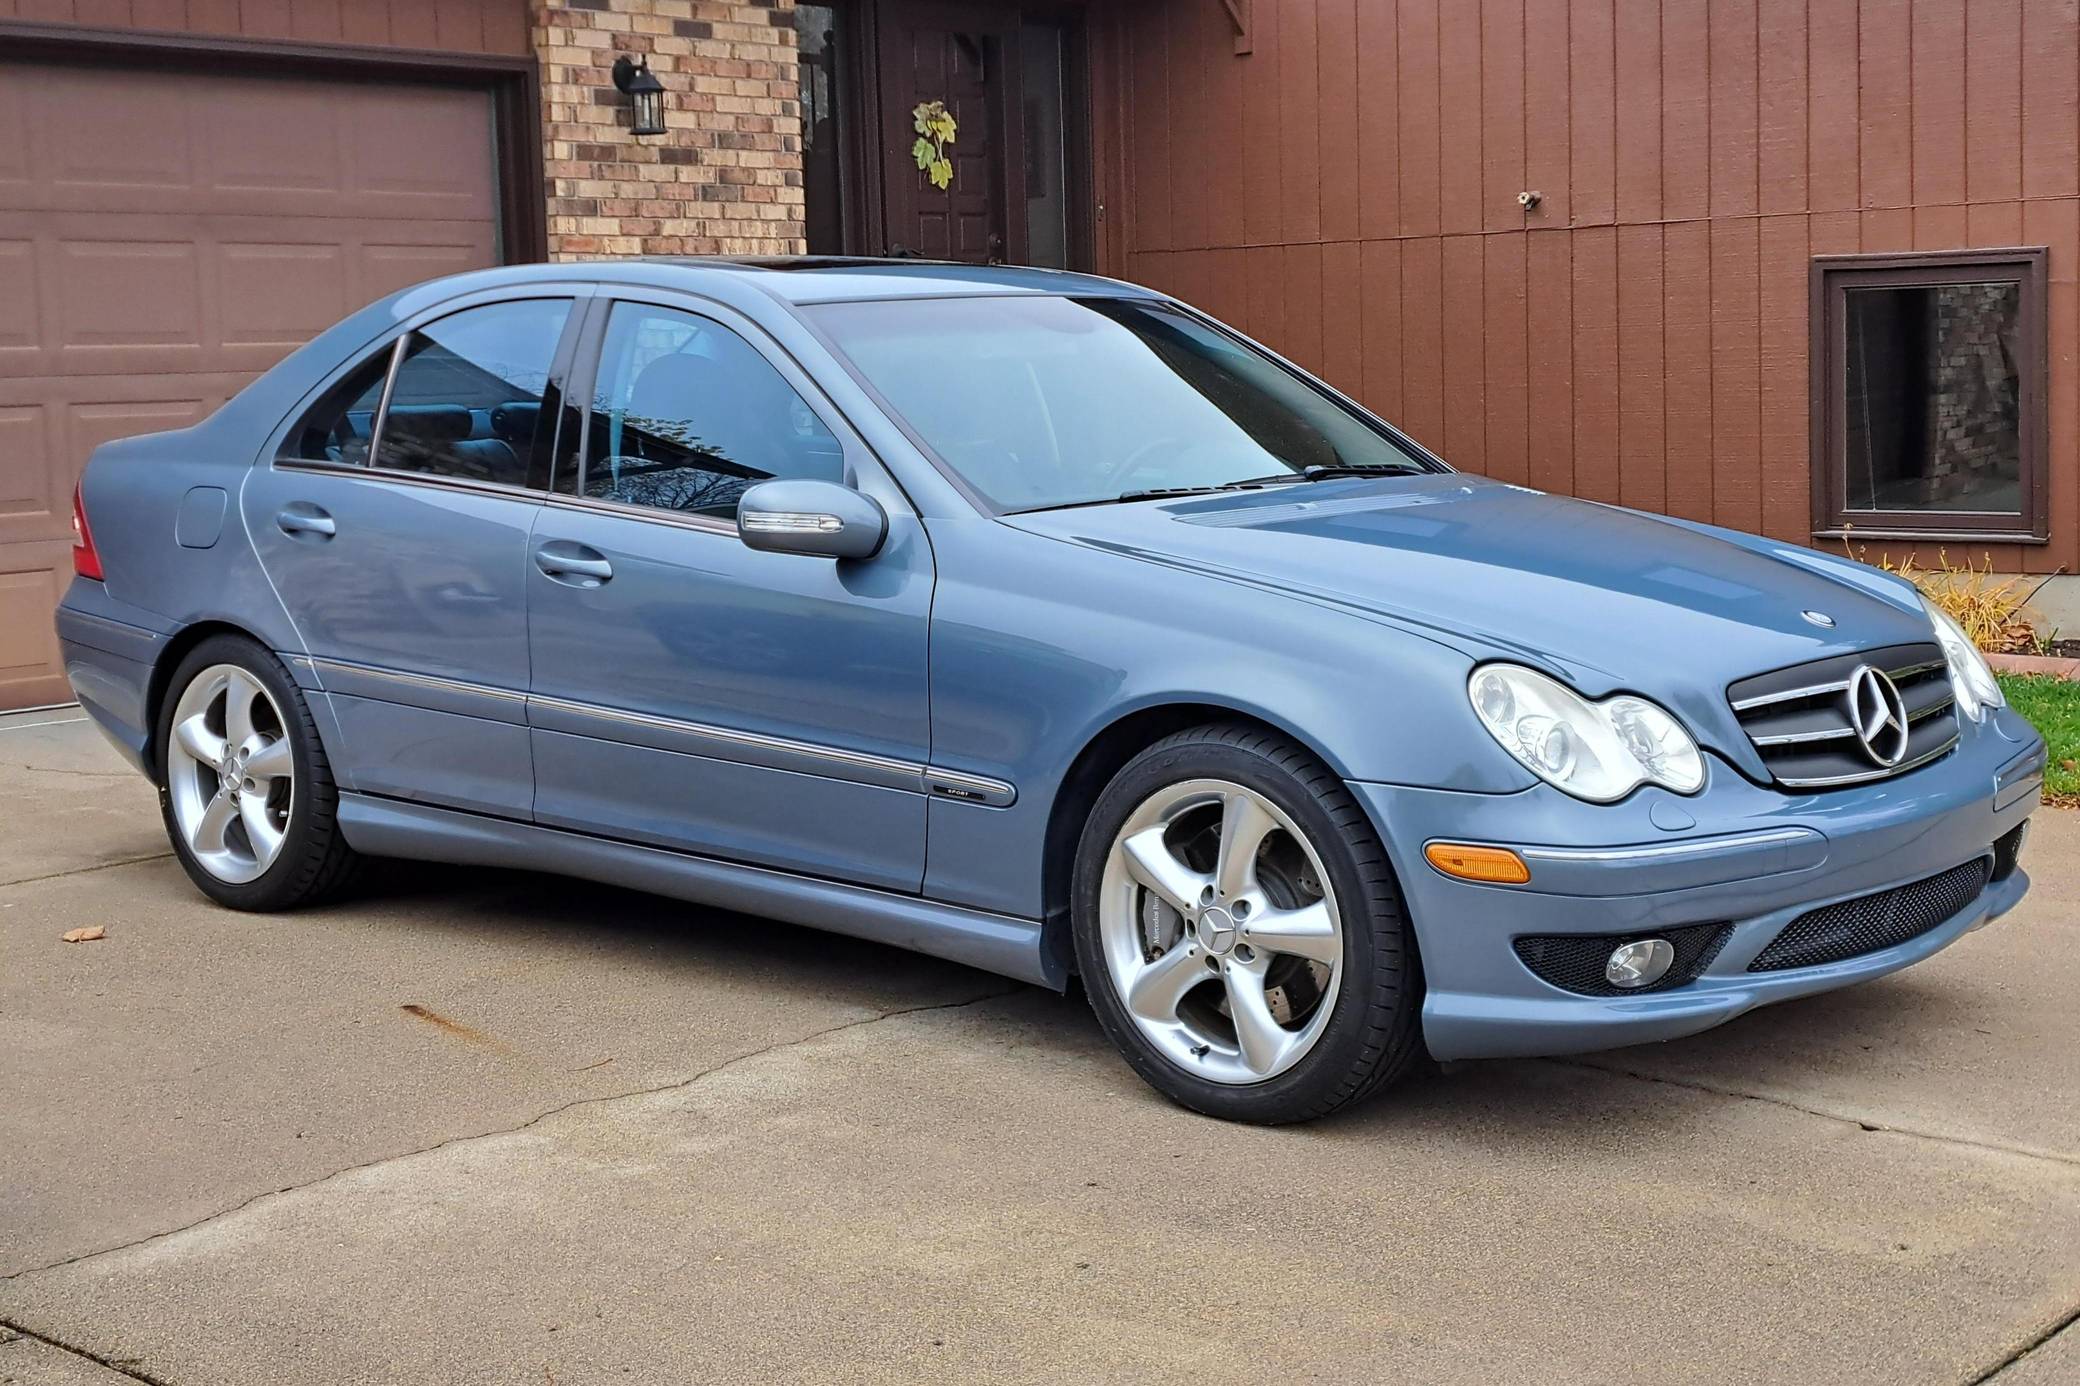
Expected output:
(1851, 928)
(1575, 962)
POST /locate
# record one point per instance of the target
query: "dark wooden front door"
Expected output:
(963, 54)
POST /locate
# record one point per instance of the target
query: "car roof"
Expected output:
(802, 279)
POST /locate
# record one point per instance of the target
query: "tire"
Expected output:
(1343, 1012)
(252, 817)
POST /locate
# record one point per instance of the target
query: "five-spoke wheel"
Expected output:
(1221, 931)
(1239, 930)
(247, 793)
(230, 773)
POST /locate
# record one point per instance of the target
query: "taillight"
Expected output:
(85, 561)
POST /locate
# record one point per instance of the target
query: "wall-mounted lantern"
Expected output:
(645, 95)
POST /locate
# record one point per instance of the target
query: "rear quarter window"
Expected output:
(340, 427)
(465, 401)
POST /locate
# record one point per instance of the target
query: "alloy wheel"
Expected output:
(230, 775)
(1220, 931)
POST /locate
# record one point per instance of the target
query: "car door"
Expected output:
(688, 691)
(393, 522)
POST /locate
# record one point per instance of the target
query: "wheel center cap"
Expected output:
(1217, 931)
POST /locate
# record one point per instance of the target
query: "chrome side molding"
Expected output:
(661, 733)
(1691, 848)
(968, 789)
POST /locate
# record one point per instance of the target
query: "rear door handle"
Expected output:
(305, 518)
(575, 565)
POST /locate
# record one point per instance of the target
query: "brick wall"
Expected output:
(1974, 402)
(725, 178)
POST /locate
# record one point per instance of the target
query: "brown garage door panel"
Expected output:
(29, 673)
(98, 294)
(166, 236)
(31, 474)
(43, 440)
(72, 140)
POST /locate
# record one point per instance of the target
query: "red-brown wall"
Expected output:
(1347, 191)
(460, 26)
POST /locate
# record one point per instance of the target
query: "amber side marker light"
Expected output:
(1489, 865)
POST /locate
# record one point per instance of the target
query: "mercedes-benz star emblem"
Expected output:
(1878, 716)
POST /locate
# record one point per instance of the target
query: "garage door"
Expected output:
(166, 236)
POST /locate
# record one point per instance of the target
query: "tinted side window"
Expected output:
(468, 397)
(686, 415)
(339, 427)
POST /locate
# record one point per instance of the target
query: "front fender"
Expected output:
(1038, 645)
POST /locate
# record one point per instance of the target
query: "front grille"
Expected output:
(1851, 928)
(1799, 718)
(1575, 962)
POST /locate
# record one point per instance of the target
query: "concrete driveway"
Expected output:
(473, 1127)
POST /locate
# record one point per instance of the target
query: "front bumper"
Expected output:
(1735, 853)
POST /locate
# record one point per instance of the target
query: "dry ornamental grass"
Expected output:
(1993, 610)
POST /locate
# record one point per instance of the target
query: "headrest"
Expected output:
(515, 422)
(430, 423)
(671, 386)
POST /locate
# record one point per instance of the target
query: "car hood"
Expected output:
(1605, 597)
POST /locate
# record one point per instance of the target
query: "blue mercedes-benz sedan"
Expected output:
(1043, 623)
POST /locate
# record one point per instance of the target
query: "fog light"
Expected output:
(1640, 963)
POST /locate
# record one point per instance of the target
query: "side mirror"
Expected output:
(812, 517)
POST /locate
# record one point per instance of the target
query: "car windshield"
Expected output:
(1041, 402)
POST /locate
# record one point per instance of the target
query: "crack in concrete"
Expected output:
(120, 1368)
(76, 774)
(535, 1120)
(2023, 1151)
(85, 870)
(2015, 1358)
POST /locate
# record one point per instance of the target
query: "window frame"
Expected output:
(864, 472)
(392, 344)
(1833, 276)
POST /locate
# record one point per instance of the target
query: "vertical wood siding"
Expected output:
(1347, 192)
(454, 26)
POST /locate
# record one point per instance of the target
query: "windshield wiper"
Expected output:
(1124, 497)
(1252, 483)
(1324, 472)
(1157, 493)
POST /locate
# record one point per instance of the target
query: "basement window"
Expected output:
(1929, 397)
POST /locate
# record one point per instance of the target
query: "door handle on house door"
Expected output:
(574, 565)
(301, 517)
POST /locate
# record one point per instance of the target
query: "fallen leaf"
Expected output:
(84, 935)
(2069, 765)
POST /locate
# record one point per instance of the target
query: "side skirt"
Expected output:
(993, 942)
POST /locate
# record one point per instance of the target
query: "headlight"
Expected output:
(1973, 684)
(1595, 751)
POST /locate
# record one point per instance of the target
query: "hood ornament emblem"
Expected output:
(1819, 618)
(1878, 716)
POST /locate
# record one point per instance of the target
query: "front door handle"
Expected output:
(305, 518)
(576, 565)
